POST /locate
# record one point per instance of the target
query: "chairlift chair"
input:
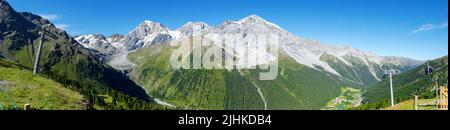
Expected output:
(429, 70)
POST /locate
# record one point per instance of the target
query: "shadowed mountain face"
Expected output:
(14, 26)
(63, 59)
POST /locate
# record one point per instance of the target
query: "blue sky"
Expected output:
(409, 28)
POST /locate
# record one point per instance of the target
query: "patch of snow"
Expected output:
(175, 34)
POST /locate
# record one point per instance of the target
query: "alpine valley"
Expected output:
(311, 73)
(133, 71)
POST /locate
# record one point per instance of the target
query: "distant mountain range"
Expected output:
(350, 63)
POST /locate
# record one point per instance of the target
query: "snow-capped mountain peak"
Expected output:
(252, 19)
(116, 40)
(149, 27)
(148, 22)
(187, 29)
(344, 61)
(190, 23)
(91, 40)
(104, 46)
(255, 19)
(146, 33)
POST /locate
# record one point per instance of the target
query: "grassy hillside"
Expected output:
(297, 86)
(407, 84)
(41, 92)
(409, 105)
